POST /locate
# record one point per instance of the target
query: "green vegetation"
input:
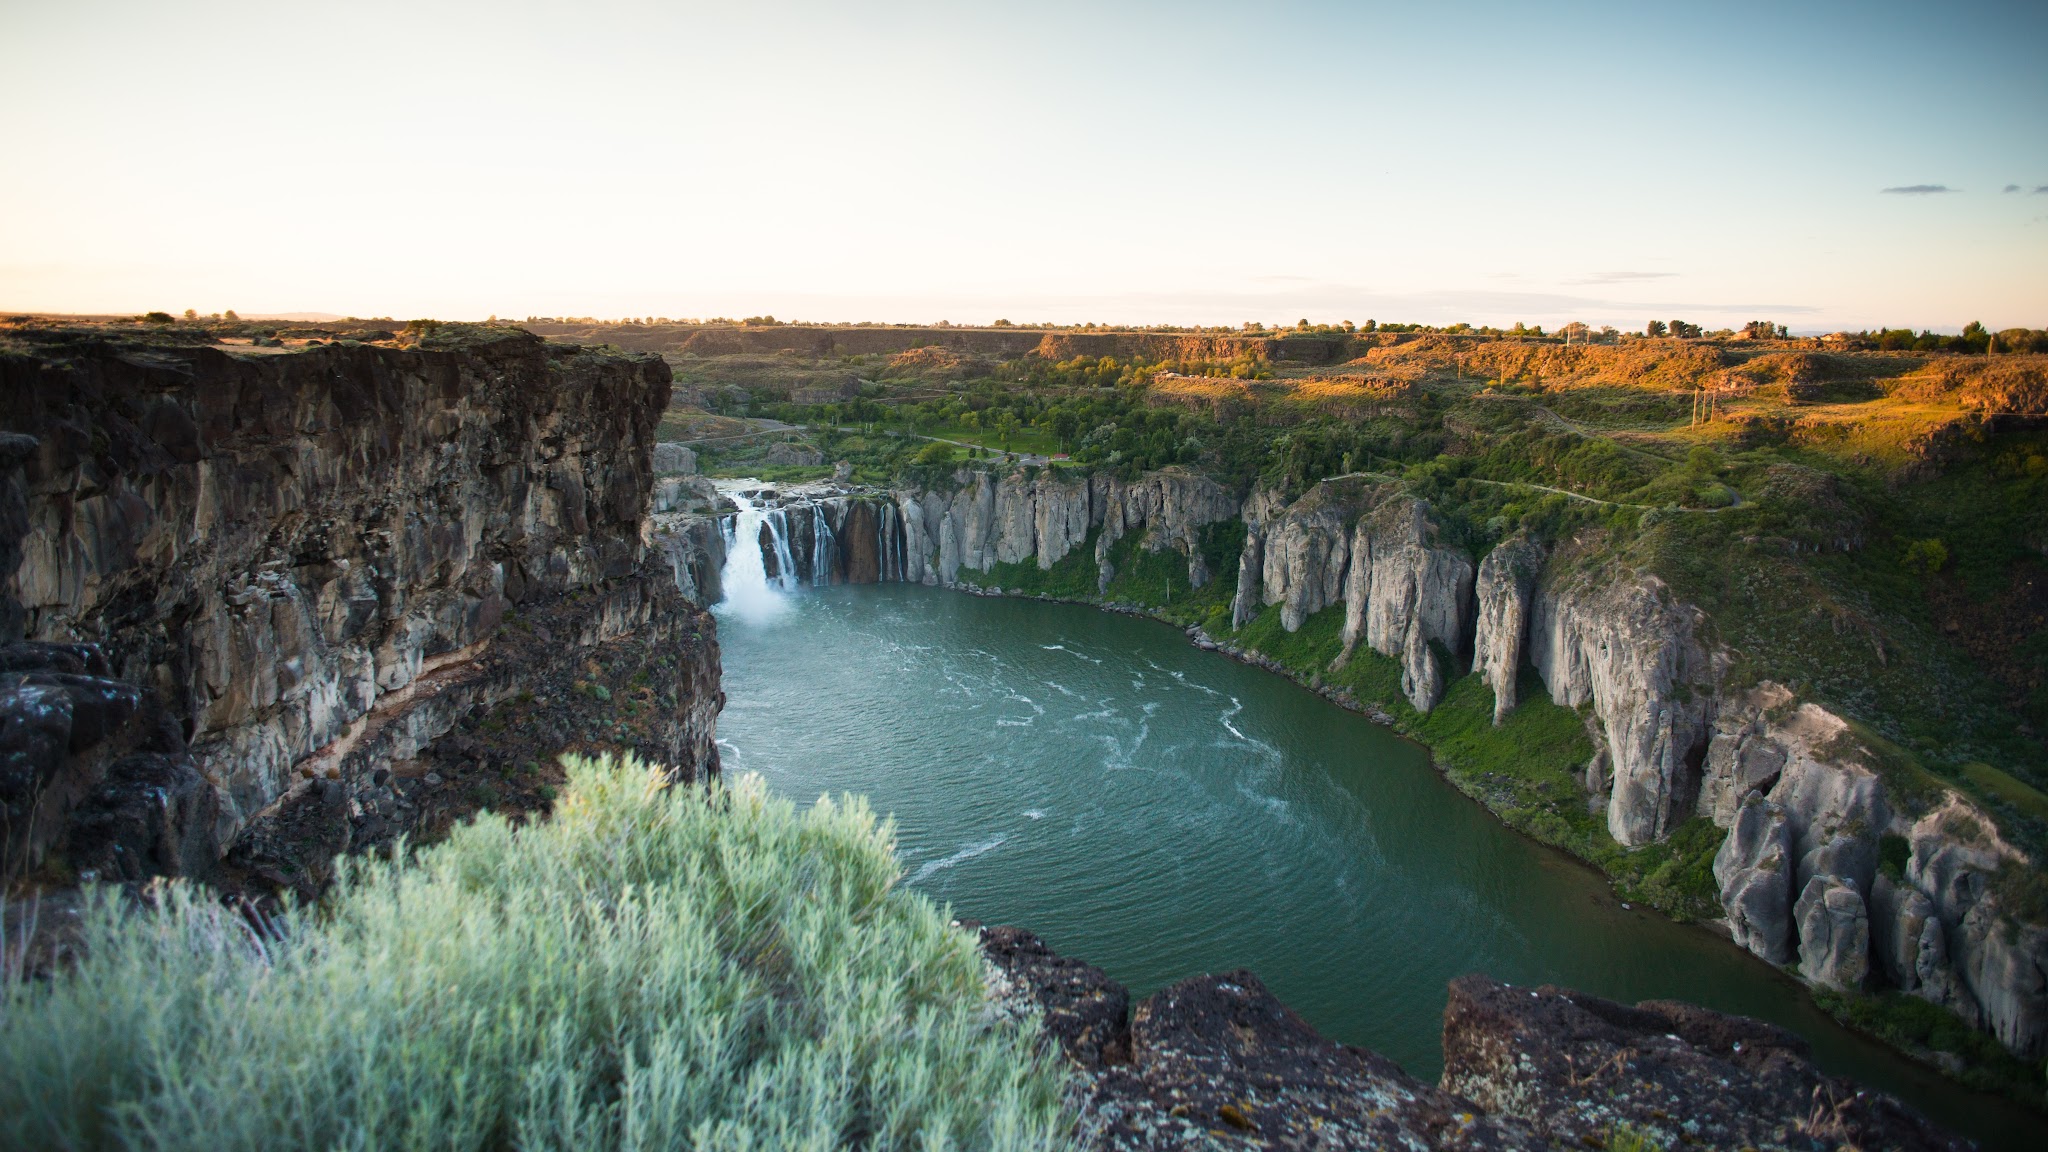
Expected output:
(1913, 1024)
(1623, 1138)
(1157, 581)
(1860, 519)
(1847, 526)
(653, 967)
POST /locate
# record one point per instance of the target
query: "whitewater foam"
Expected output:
(961, 857)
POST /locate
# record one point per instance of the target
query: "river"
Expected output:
(1161, 811)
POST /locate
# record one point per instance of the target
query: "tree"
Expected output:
(1064, 424)
(1926, 556)
(191, 313)
(230, 316)
(1654, 328)
(156, 317)
(935, 452)
(1006, 423)
(1684, 331)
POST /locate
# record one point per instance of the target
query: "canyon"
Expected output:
(1799, 792)
(266, 609)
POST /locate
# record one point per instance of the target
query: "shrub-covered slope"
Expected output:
(653, 967)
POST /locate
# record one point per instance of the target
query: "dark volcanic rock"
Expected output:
(92, 768)
(280, 578)
(1577, 1067)
(1220, 1058)
(1086, 1011)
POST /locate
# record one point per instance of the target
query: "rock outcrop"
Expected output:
(1834, 931)
(1754, 870)
(316, 563)
(1221, 1056)
(1620, 642)
(1375, 551)
(1218, 1059)
(1963, 867)
(1504, 592)
(94, 769)
(671, 459)
(1408, 598)
(1576, 1068)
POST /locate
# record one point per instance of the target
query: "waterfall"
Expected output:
(748, 591)
(885, 525)
(821, 547)
(785, 563)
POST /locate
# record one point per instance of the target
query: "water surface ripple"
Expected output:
(1160, 812)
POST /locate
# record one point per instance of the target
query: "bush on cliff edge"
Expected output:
(652, 967)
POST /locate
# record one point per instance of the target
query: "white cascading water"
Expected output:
(821, 547)
(749, 593)
(785, 562)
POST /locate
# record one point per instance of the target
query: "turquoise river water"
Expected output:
(1161, 811)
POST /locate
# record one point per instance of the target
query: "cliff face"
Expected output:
(1504, 593)
(1375, 552)
(1619, 642)
(927, 536)
(316, 564)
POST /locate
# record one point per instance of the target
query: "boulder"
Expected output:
(1834, 932)
(671, 459)
(1743, 752)
(1577, 1067)
(802, 455)
(1221, 1055)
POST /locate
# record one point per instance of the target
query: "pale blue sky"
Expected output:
(1135, 162)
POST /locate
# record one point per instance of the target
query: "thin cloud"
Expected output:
(1622, 277)
(2043, 189)
(1918, 190)
(2012, 187)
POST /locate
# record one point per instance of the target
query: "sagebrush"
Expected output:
(652, 967)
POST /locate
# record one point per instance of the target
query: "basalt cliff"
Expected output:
(1800, 794)
(262, 606)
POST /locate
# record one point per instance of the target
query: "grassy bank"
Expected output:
(652, 967)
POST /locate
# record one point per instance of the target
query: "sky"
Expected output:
(1820, 165)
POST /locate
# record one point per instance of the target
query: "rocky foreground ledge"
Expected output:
(1524, 1068)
